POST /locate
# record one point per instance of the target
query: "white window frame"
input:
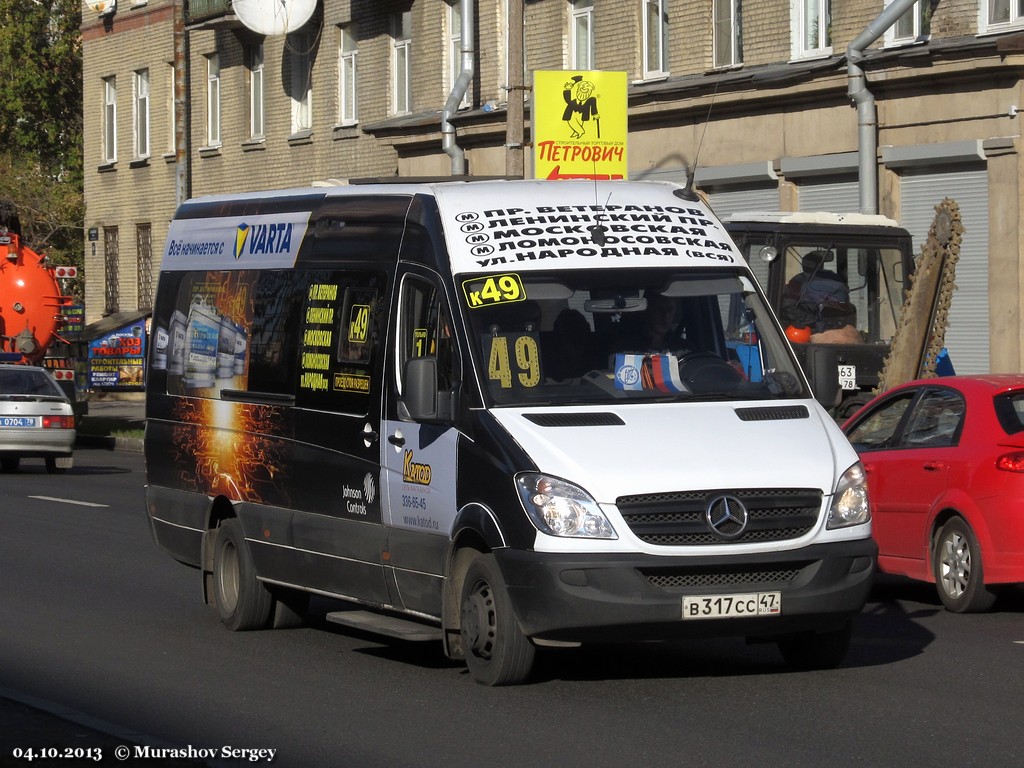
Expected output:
(140, 122)
(454, 23)
(654, 61)
(401, 68)
(172, 112)
(257, 93)
(302, 84)
(1014, 18)
(727, 14)
(348, 73)
(110, 119)
(800, 29)
(911, 27)
(213, 136)
(581, 35)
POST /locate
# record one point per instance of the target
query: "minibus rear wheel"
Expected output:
(243, 602)
(497, 652)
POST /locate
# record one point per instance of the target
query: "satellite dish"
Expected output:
(273, 17)
(102, 7)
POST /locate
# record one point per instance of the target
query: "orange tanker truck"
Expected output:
(32, 307)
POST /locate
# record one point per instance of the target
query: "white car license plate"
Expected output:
(732, 606)
(18, 421)
(848, 376)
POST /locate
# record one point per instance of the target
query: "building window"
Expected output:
(144, 251)
(302, 84)
(172, 112)
(348, 114)
(401, 42)
(254, 55)
(1003, 13)
(111, 278)
(581, 33)
(728, 38)
(812, 28)
(141, 87)
(213, 100)
(655, 31)
(455, 48)
(110, 119)
(913, 26)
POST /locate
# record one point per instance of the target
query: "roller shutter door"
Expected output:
(967, 337)
(835, 196)
(727, 201)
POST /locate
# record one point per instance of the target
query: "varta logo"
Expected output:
(254, 239)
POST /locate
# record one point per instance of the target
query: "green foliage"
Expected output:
(41, 76)
(41, 123)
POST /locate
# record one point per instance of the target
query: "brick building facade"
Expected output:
(751, 94)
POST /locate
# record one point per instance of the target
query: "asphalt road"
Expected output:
(94, 618)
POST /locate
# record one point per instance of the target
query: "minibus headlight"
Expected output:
(562, 509)
(850, 502)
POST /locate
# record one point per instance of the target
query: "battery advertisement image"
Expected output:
(243, 348)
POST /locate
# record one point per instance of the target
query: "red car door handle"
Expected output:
(934, 466)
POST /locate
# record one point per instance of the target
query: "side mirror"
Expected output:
(421, 399)
(822, 368)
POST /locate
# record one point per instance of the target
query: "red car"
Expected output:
(945, 467)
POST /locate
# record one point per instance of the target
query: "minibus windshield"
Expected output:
(600, 335)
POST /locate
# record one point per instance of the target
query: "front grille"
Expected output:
(677, 519)
(674, 579)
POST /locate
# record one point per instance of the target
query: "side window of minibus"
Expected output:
(275, 334)
(339, 339)
(426, 330)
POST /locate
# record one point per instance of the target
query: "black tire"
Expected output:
(52, 468)
(243, 602)
(290, 608)
(10, 463)
(959, 572)
(817, 650)
(497, 651)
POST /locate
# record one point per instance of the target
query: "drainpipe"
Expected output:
(867, 114)
(451, 106)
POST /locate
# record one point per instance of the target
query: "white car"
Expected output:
(36, 419)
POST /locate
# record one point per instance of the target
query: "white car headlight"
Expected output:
(850, 502)
(562, 509)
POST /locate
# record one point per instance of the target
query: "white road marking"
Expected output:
(68, 501)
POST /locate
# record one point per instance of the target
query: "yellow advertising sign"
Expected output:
(579, 125)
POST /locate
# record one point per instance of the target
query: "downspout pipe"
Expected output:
(864, 100)
(451, 106)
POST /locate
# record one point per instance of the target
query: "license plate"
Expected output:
(732, 606)
(848, 376)
(18, 421)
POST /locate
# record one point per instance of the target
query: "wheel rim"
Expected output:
(479, 621)
(955, 565)
(227, 576)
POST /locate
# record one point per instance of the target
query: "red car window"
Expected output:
(935, 421)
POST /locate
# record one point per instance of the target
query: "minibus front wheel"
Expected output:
(243, 601)
(497, 652)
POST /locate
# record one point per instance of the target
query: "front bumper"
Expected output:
(578, 598)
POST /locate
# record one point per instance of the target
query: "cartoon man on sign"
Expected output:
(580, 106)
